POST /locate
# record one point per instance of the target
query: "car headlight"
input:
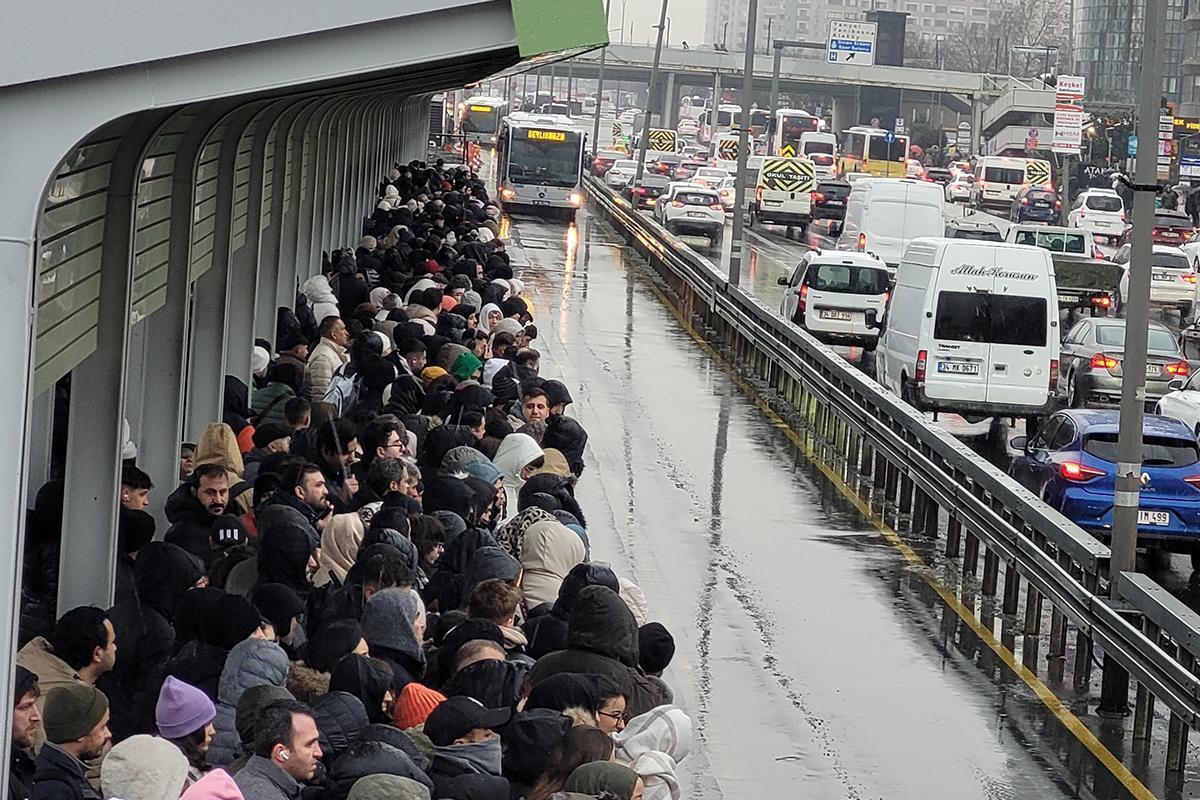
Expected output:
(575, 199)
(507, 193)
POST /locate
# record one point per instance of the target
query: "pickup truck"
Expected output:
(1085, 281)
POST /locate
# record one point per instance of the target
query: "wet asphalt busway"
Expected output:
(1018, 629)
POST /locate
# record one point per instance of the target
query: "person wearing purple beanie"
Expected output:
(184, 716)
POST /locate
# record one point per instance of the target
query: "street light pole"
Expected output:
(645, 140)
(739, 203)
(1137, 308)
(600, 84)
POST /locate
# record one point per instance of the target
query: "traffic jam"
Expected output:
(962, 285)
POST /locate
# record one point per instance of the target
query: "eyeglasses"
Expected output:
(616, 716)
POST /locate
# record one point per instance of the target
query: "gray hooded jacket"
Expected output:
(252, 662)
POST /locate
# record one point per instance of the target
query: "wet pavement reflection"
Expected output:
(816, 660)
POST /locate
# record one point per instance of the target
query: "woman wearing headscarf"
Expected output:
(652, 745)
(512, 535)
(490, 316)
(340, 540)
(565, 434)
(605, 776)
(320, 296)
(548, 552)
(393, 623)
(517, 458)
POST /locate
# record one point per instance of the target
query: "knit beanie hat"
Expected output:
(415, 704)
(215, 785)
(24, 682)
(270, 431)
(182, 709)
(71, 711)
(144, 768)
(656, 647)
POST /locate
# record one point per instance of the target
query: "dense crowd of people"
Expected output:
(376, 583)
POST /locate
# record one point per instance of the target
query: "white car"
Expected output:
(1172, 278)
(692, 210)
(629, 115)
(958, 190)
(824, 165)
(727, 189)
(687, 128)
(710, 177)
(830, 294)
(1099, 211)
(620, 172)
(1183, 401)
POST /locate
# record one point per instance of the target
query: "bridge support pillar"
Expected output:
(845, 113)
(976, 124)
(670, 112)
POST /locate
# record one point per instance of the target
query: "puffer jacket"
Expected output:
(253, 662)
(325, 359)
(602, 638)
(371, 758)
(340, 718)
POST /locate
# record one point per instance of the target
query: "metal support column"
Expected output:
(670, 106)
(93, 466)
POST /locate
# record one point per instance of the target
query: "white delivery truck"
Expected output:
(972, 327)
(884, 214)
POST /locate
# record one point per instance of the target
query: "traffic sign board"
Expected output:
(889, 137)
(851, 42)
(1068, 114)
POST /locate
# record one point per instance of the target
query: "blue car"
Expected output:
(1036, 204)
(1071, 464)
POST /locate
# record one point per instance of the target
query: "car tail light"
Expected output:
(862, 244)
(1122, 215)
(1180, 369)
(1193, 481)
(638, 190)
(758, 194)
(802, 302)
(1058, 203)
(1102, 301)
(1024, 201)
(1190, 278)
(1074, 471)
(1103, 361)
(717, 207)
(677, 203)
(1053, 374)
(922, 362)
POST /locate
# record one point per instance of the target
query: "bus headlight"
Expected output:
(575, 199)
(507, 193)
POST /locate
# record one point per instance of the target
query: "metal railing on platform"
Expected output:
(944, 490)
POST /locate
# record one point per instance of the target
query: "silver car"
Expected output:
(1092, 354)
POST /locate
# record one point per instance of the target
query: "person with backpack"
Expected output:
(76, 723)
(327, 357)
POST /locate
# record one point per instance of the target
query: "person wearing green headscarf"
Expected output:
(605, 776)
(467, 366)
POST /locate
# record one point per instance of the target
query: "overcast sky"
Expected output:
(687, 20)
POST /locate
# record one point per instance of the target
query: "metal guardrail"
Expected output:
(935, 478)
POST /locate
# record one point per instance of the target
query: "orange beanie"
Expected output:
(414, 705)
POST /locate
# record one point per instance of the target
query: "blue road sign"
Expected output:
(889, 137)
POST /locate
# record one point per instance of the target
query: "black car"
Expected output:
(938, 175)
(667, 163)
(829, 200)
(979, 231)
(645, 194)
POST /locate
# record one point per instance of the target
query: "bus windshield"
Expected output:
(880, 150)
(791, 127)
(480, 119)
(544, 158)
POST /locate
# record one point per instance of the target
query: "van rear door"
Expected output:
(959, 362)
(1022, 303)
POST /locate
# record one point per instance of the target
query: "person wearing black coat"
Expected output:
(368, 679)
(200, 658)
(602, 638)
(528, 741)
(145, 635)
(548, 632)
(340, 718)
(367, 757)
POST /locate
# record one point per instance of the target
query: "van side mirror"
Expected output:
(783, 280)
(1019, 443)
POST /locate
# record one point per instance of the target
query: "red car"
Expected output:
(1172, 227)
(604, 160)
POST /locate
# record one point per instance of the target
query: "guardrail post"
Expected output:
(953, 535)
(892, 478)
(932, 516)
(880, 470)
(1056, 656)
(1033, 629)
(1177, 733)
(866, 457)
(1114, 688)
(906, 494)
(970, 565)
(991, 573)
(1012, 590)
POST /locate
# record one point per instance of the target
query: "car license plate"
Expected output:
(833, 202)
(1162, 276)
(958, 368)
(1063, 298)
(829, 314)
(1161, 518)
(1042, 204)
(1153, 370)
(696, 214)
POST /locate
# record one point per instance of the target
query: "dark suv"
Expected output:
(829, 200)
(646, 194)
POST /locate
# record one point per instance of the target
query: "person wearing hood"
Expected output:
(320, 296)
(517, 459)
(486, 563)
(605, 777)
(566, 435)
(184, 717)
(602, 638)
(340, 717)
(145, 635)
(582, 744)
(388, 787)
(467, 750)
(548, 553)
(393, 623)
(223, 622)
(407, 392)
(287, 555)
(144, 768)
(253, 662)
(370, 680)
(521, 372)
(330, 355)
(340, 539)
(652, 745)
(376, 758)
(216, 785)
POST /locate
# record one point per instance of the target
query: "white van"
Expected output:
(884, 214)
(972, 327)
(999, 178)
(818, 142)
(783, 192)
(831, 294)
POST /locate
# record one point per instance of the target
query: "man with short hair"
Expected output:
(287, 750)
(304, 489)
(135, 488)
(476, 650)
(382, 437)
(208, 498)
(298, 413)
(326, 358)
(26, 733)
(337, 444)
(535, 405)
(81, 648)
(408, 393)
(76, 722)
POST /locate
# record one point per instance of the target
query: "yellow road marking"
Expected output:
(1071, 722)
